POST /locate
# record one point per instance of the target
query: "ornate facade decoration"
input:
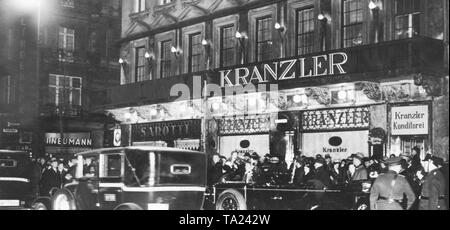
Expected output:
(370, 89)
(321, 95)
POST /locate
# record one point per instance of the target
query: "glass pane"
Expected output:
(76, 82)
(52, 80)
(76, 97)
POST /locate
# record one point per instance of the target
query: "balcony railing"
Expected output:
(50, 110)
(385, 59)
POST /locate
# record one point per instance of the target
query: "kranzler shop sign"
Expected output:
(409, 120)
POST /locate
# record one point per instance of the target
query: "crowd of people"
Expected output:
(50, 172)
(324, 172)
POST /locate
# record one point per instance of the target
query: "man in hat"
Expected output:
(50, 179)
(360, 170)
(321, 173)
(432, 196)
(389, 189)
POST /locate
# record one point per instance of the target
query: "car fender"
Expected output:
(128, 206)
(46, 200)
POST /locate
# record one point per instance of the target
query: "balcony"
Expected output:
(370, 62)
(148, 92)
(51, 110)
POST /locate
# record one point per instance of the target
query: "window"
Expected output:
(112, 165)
(227, 46)
(8, 163)
(264, 39)
(305, 31)
(407, 18)
(353, 23)
(165, 58)
(7, 90)
(140, 64)
(66, 44)
(65, 90)
(10, 43)
(164, 2)
(67, 3)
(195, 52)
(139, 6)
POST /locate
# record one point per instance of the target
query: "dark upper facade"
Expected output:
(395, 51)
(53, 75)
(165, 42)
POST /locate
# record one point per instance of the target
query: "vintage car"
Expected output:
(15, 180)
(135, 178)
(277, 193)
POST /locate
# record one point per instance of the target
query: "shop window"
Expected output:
(7, 90)
(353, 22)
(65, 90)
(227, 46)
(305, 31)
(140, 64)
(66, 44)
(407, 18)
(195, 52)
(165, 60)
(264, 39)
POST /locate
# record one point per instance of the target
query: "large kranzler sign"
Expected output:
(336, 119)
(170, 130)
(321, 65)
(409, 120)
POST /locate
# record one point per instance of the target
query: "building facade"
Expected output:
(53, 56)
(283, 76)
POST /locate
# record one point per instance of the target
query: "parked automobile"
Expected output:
(15, 174)
(135, 178)
(242, 196)
(274, 190)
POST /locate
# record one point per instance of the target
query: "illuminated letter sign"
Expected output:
(336, 119)
(315, 66)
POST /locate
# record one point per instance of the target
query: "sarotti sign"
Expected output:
(409, 120)
(321, 65)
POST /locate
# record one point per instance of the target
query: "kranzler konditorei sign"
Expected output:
(409, 120)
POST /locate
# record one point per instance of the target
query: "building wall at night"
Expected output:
(77, 56)
(395, 58)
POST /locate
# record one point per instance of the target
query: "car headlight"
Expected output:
(61, 202)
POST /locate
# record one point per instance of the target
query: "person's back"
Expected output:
(444, 171)
(433, 191)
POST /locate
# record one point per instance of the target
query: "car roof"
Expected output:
(143, 148)
(12, 152)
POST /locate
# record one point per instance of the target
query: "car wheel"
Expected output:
(63, 200)
(128, 207)
(39, 206)
(231, 199)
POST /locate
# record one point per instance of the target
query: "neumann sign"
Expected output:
(315, 66)
(409, 120)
